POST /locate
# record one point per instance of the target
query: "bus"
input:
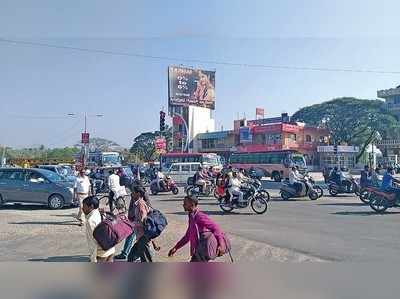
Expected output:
(206, 160)
(274, 164)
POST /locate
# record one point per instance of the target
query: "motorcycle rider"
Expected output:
(344, 180)
(365, 179)
(114, 185)
(201, 179)
(295, 180)
(161, 182)
(234, 188)
(387, 183)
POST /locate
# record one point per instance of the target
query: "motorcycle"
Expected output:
(98, 186)
(220, 191)
(193, 189)
(251, 196)
(309, 188)
(169, 186)
(335, 189)
(380, 201)
(365, 194)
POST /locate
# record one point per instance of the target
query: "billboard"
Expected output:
(191, 87)
(245, 135)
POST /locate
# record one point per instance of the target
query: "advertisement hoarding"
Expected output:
(85, 138)
(245, 135)
(191, 87)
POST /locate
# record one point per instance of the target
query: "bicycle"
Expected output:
(119, 204)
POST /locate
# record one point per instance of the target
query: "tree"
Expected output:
(351, 121)
(143, 145)
(101, 144)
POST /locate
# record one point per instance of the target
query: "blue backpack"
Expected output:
(154, 224)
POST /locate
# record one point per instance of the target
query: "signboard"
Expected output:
(85, 138)
(160, 144)
(245, 135)
(260, 113)
(191, 87)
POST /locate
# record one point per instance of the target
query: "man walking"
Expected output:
(82, 189)
(113, 184)
(198, 224)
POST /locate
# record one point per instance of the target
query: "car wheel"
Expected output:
(56, 202)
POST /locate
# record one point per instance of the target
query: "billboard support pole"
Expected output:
(187, 131)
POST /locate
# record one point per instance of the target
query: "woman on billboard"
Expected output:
(204, 93)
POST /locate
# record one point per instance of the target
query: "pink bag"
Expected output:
(112, 230)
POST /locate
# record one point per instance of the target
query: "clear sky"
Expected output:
(39, 86)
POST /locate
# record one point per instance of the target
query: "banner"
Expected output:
(160, 144)
(260, 113)
(245, 135)
(191, 87)
(85, 138)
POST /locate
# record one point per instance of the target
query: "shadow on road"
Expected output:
(62, 259)
(360, 213)
(68, 223)
(344, 204)
(215, 213)
(28, 207)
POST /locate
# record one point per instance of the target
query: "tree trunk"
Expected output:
(364, 147)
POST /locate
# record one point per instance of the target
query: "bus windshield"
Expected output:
(111, 159)
(211, 160)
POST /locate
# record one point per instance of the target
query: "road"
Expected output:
(330, 229)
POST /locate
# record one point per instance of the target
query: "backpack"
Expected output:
(154, 224)
(112, 230)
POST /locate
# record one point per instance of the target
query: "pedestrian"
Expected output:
(131, 215)
(138, 210)
(82, 189)
(90, 207)
(114, 185)
(198, 223)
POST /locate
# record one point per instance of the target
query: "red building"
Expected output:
(270, 134)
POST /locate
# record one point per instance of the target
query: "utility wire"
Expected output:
(215, 62)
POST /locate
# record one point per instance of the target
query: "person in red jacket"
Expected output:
(199, 222)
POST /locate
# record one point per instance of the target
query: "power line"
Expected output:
(215, 62)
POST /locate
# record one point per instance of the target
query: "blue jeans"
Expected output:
(128, 244)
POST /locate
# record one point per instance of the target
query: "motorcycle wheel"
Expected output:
(154, 192)
(313, 195)
(284, 195)
(216, 195)
(333, 192)
(265, 195)
(226, 208)
(189, 191)
(319, 190)
(365, 196)
(378, 204)
(259, 205)
(175, 191)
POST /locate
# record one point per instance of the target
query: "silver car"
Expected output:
(18, 185)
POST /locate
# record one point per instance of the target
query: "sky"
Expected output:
(39, 86)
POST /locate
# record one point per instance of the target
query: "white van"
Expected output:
(180, 172)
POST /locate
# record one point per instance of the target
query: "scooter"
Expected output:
(170, 186)
(220, 190)
(335, 189)
(309, 189)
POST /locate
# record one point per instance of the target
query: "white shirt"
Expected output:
(113, 182)
(293, 177)
(82, 184)
(160, 175)
(235, 184)
(92, 220)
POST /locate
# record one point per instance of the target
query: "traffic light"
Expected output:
(162, 121)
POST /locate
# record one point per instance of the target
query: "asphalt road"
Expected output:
(331, 229)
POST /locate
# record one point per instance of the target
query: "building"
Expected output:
(342, 156)
(269, 134)
(392, 99)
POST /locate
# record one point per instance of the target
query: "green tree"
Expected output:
(351, 121)
(143, 145)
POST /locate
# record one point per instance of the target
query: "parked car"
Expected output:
(62, 170)
(18, 185)
(180, 172)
